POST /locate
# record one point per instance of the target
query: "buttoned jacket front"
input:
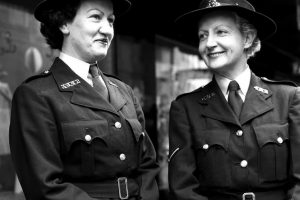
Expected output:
(63, 133)
(212, 151)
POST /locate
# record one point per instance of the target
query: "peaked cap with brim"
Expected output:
(265, 26)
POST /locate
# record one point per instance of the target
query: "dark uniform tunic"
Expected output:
(216, 156)
(67, 142)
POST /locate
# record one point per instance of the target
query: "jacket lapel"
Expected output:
(82, 93)
(215, 104)
(257, 100)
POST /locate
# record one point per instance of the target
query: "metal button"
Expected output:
(280, 140)
(244, 163)
(118, 125)
(205, 146)
(122, 156)
(87, 138)
(239, 132)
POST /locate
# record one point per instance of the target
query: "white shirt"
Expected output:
(243, 80)
(79, 67)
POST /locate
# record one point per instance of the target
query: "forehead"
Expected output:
(217, 18)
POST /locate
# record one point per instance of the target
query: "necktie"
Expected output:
(97, 84)
(234, 99)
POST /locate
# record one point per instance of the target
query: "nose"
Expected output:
(210, 42)
(107, 28)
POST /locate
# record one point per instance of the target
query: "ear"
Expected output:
(249, 38)
(64, 29)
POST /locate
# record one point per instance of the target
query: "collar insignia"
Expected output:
(208, 96)
(261, 90)
(70, 84)
(113, 84)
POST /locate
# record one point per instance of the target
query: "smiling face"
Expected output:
(89, 35)
(222, 44)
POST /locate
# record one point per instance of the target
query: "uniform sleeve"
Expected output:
(149, 167)
(294, 131)
(35, 149)
(182, 164)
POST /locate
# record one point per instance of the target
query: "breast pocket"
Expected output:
(79, 137)
(273, 142)
(211, 153)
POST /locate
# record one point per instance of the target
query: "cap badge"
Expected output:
(213, 3)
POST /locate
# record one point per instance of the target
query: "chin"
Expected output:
(217, 64)
(100, 55)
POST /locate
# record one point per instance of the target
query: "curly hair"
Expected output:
(245, 27)
(56, 17)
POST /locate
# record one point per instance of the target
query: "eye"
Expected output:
(96, 16)
(111, 20)
(202, 36)
(222, 32)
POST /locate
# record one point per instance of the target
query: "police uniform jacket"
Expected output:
(67, 142)
(215, 155)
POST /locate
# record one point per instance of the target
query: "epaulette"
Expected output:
(287, 82)
(187, 93)
(43, 74)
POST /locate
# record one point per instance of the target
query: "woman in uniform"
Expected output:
(77, 133)
(238, 137)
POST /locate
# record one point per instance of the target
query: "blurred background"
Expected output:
(147, 53)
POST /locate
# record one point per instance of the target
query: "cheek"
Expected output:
(201, 49)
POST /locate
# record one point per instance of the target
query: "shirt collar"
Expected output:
(243, 80)
(79, 67)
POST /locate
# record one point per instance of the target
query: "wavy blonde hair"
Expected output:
(246, 27)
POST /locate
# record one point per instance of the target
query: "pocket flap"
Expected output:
(271, 133)
(216, 137)
(85, 131)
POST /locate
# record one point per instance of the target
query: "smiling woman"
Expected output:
(83, 131)
(238, 136)
(89, 35)
(222, 44)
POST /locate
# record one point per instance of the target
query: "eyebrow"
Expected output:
(222, 25)
(215, 27)
(92, 9)
(202, 31)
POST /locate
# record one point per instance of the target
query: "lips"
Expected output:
(215, 54)
(103, 41)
